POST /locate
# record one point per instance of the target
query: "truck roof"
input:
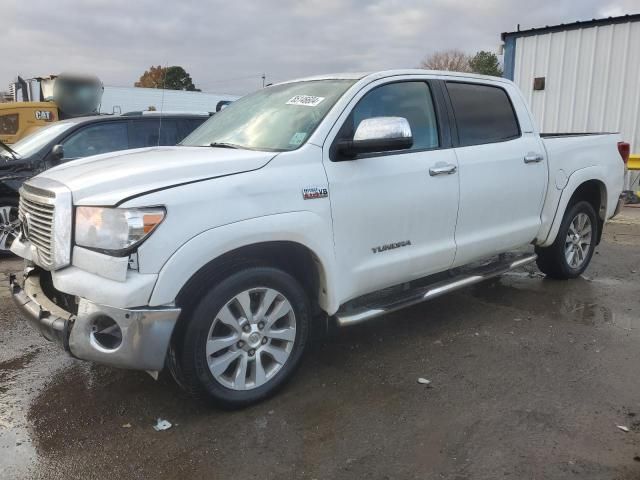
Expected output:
(130, 115)
(393, 73)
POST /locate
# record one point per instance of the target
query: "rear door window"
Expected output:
(96, 139)
(484, 113)
(153, 132)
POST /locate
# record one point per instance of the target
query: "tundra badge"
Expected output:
(391, 246)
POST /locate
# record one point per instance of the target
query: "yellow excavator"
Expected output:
(41, 100)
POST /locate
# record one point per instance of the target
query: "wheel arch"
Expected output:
(292, 257)
(588, 185)
(298, 242)
(594, 192)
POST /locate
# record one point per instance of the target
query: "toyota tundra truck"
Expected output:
(332, 198)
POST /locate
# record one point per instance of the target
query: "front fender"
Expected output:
(305, 228)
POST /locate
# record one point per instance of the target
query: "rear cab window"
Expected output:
(483, 113)
(150, 132)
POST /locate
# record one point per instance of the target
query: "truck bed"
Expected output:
(575, 134)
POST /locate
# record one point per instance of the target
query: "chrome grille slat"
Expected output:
(43, 239)
(33, 207)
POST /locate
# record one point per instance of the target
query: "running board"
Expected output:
(372, 306)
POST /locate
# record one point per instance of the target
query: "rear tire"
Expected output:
(244, 339)
(571, 252)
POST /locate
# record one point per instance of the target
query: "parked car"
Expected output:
(77, 138)
(345, 196)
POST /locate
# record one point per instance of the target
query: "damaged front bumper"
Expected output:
(135, 338)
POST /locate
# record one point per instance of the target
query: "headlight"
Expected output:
(115, 230)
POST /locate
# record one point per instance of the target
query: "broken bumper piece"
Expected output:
(136, 338)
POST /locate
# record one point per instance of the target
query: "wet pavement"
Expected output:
(530, 379)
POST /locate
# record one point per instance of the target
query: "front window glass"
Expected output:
(33, 143)
(96, 139)
(409, 100)
(277, 118)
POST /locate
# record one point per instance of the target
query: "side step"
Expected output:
(391, 299)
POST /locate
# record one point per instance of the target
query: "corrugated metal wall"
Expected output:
(131, 99)
(592, 79)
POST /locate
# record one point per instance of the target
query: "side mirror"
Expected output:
(378, 134)
(57, 152)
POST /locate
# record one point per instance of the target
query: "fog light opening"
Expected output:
(106, 332)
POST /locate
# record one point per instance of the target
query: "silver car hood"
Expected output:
(110, 178)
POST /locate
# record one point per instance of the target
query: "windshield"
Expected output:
(277, 118)
(33, 142)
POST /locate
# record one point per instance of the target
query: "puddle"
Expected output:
(590, 314)
(556, 300)
(21, 380)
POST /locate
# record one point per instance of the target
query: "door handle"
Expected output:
(533, 158)
(446, 169)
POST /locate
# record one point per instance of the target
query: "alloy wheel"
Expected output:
(9, 226)
(578, 241)
(251, 338)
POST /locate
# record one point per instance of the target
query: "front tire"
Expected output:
(571, 252)
(245, 338)
(9, 224)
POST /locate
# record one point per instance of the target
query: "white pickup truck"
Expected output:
(334, 197)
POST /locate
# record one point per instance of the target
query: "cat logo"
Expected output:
(44, 115)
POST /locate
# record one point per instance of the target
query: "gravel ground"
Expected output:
(530, 379)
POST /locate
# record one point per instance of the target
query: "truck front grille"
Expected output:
(37, 220)
(45, 212)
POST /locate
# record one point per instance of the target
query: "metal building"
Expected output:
(126, 99)
(582, 76)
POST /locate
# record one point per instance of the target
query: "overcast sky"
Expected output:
(227, 45)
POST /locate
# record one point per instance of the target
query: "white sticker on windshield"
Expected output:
(306, 100)
(297, 138)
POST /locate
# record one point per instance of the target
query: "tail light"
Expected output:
(625, 150)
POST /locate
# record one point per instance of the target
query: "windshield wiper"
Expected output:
(223, 145)
(13, 153)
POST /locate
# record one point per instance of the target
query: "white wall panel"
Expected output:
(130, 99)
(592, 79)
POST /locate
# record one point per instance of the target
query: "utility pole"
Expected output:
(264, 77)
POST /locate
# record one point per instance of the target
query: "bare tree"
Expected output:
(452, 60)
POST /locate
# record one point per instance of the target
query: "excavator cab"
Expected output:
(39, 101)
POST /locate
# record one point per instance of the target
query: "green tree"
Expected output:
(485, 63)
(170, 78)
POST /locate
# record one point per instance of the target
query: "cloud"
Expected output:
(226, 46)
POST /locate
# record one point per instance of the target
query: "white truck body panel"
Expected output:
(218, 200)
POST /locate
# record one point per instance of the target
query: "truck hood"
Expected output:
(110, 178)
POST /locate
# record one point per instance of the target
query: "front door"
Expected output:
(393, 220)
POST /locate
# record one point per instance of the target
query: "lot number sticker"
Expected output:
(305, 100)
(297, 138)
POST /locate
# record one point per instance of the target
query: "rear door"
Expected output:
(392, 219)
(502, 171)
